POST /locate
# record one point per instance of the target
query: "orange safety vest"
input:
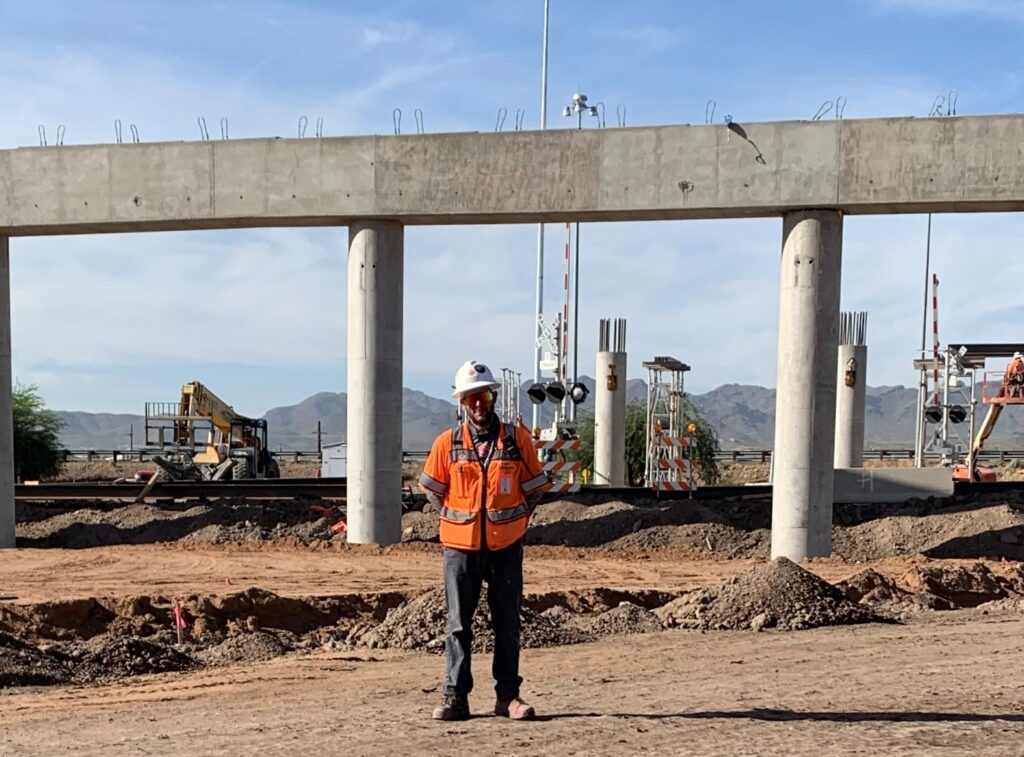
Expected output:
(484, 500)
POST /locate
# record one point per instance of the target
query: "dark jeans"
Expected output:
(464, 573)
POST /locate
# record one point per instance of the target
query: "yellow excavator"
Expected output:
(203, 438)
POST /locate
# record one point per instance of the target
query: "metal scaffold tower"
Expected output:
(668, 442)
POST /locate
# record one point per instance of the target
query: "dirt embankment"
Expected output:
(962, 527)
(87, 640)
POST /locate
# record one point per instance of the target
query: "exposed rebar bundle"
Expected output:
(853, 328)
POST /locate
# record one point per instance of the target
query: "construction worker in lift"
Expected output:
(484, 478)
(1013, 380)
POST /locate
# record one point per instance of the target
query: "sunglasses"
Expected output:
(485, 397)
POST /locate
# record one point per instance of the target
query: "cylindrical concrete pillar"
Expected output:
(805, 403)
(374, 434)
(610, 404)
(7, 519)
(851, 384)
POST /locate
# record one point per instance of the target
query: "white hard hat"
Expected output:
(1017, 356)
(473, 376)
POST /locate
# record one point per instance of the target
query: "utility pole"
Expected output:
(319, 437)
(131, 437)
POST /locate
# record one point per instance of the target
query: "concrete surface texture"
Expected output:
(375, 272)
(805, 400)
(850, 401)
(892, 165)
(870, 485)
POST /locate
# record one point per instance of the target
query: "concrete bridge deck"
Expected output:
(895, 165)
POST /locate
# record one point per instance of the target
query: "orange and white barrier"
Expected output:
(670, 486)
(558, 444)
(563, 488)
(674, 441)
(561, 467)
(679, 465)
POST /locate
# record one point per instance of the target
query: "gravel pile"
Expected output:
(248, 647)
(117, 657)
(421, 624)
(624, 619)
(779, 594)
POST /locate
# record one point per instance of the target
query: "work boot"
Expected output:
(515, 709)
(453, 707)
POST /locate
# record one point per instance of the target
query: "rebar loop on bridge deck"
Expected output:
(59, 142)
(319, 127)
(224, 129)
(840, 107)
(135, 133)
(499, 123)
(204, 135)
(117, 130)
(396, 117)
(822, 111)
(944, 105)
(41, 130)
(600, 114)
(620, 115)
(520, 115)
(709, 111)
(303, 121)
(853, 328)
(418, 115)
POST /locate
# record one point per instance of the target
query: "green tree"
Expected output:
(636, 443)
(37, 452)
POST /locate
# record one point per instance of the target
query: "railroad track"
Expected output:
(334, 489)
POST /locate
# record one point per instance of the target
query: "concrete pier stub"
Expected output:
(805, 403)
(610, 405)
(851, 385)
(374, 434)
(7, 519)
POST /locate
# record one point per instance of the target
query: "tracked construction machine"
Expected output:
(202, 438)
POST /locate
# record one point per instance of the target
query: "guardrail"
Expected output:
(726, 456)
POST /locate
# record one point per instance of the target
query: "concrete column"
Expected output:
(7, 518)
(806, 386)
(374, 434)
(610, 405)
(610, 420)
(851, 383)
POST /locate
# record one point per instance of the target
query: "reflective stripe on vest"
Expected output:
(459, 516)
(510, 513)
(433, 485)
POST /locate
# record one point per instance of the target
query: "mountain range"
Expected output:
(743, 416)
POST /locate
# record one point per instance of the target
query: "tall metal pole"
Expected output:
(576, 300)
(539, 325)
(919, 427)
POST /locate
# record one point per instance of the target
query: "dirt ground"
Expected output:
(649, 627)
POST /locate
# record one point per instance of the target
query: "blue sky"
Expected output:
(104, 323)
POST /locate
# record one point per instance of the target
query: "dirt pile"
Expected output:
(934, 586)
(421, 624)
(627, 618)
(779, 594)
(871, 587)
(257, 646)
(961, 586)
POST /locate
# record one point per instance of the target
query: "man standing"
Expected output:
(1013, 379)
(484, 478)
